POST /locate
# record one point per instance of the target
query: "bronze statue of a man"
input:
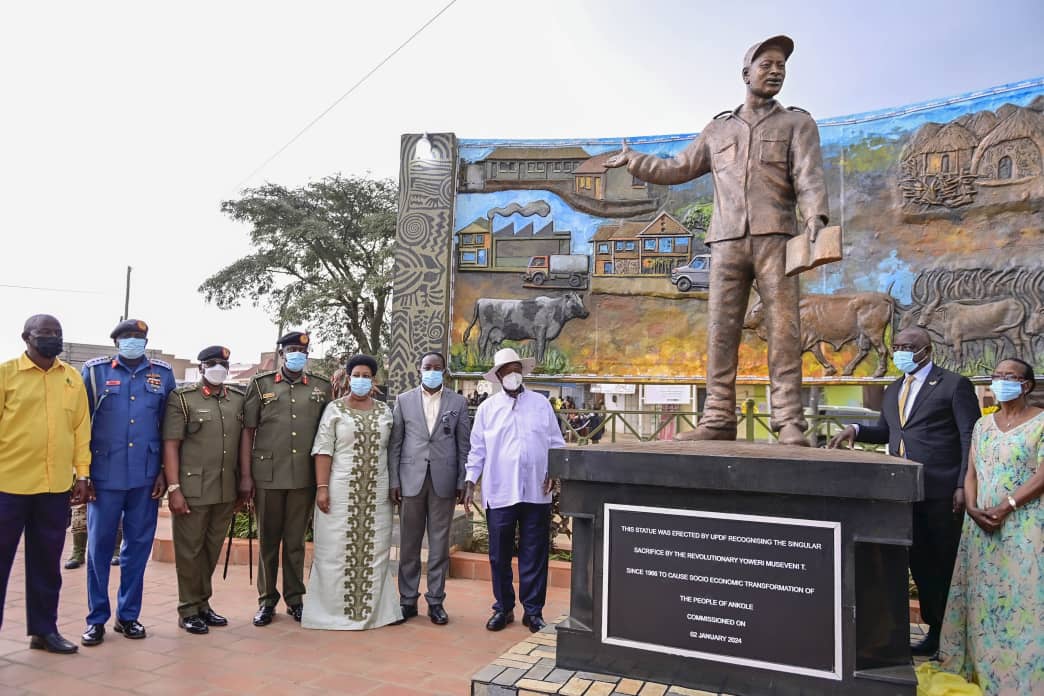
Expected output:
(767, 170)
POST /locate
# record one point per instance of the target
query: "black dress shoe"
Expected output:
(94, 635)
(295, 611)
(926, 647)
(535, 622)
(194, 624)
(264, 615)
(438, 615)
(408, 611)
(129, 629)
(73, 563)
(52, 642)
(212, 618)
(499, 620)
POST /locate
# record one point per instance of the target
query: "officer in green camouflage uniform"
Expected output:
(280, 416)
(202, 427)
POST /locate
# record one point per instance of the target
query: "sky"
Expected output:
(125, 124)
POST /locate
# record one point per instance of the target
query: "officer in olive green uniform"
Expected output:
(280, 416)
(201, 434)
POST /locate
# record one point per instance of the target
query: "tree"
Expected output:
(323, 258)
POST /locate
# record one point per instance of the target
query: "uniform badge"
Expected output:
(318, 395)
(268, 397)
(112, 383)
(154, 379)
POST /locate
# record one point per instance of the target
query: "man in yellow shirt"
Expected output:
(45, 434)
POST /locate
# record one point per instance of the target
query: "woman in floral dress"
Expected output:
(992, 634)
(351, 586)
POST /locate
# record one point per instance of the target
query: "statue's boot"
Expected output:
(791, 434)
(78, 548)
(705, 432)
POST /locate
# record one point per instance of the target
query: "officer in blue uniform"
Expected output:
(127, 394)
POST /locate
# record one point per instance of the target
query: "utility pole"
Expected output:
(126, 298)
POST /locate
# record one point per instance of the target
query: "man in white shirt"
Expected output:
(510, 439)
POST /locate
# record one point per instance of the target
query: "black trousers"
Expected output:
(936, 536)
(43, 517)
(533, 522)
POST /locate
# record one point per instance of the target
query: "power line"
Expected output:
(71, 290)
(344, 96)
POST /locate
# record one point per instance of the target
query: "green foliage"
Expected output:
(323, 259)
(466, 358)
(696, 217)
(873, 154)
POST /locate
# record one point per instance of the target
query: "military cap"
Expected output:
(130, 326)
(783, 43)
(213, 353)
(294, 338)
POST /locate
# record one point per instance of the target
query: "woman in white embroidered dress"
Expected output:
(351, 586)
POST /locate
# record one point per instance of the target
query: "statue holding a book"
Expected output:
(769, 194)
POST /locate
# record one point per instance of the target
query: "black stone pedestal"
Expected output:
(740, 568)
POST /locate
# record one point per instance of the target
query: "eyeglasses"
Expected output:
(1008, 378)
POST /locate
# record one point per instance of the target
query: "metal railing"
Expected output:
(619, 426)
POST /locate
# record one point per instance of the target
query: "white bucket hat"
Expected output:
(505, 356)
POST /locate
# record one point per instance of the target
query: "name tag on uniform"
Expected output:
(268, 397)
(112, 383)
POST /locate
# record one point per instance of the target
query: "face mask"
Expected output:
(1005, 390)
(48, 346)
(512, 381)
(361, 386)
(904, 360)
(215, 374)
(131, 348)
(432, 379)
(295, 361)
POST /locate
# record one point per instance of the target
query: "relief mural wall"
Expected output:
(598, 274)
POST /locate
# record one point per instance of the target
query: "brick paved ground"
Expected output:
(417, 658)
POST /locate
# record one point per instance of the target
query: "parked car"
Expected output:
(695, 274)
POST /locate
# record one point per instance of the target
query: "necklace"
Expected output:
(1009, 422)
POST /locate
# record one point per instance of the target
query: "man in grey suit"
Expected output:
(430, 441)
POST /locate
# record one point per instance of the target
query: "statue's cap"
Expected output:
(782, 42)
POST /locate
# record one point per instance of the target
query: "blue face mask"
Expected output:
(131, 348)
(432, 379)
(1005, 390)
(361, 386)
(295, 361)
(904, 360)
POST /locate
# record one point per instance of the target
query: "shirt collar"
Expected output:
(117, 360)
(281, 376)
(923, 373)
(776, 107)
(428, 395)
(24, 363)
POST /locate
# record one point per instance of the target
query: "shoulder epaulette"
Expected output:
(161, 363)
(236, 388)
(103, 360)
(724, 114)
(267, 373)
(798, 109)
(186, 388)
(317, 376)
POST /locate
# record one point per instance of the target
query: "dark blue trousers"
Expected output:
(44, 517)
(138, 511)
(533, 521)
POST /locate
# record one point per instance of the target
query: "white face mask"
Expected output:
(512, 381)
(215, 374)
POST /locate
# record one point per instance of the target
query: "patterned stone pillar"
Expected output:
(423, 247)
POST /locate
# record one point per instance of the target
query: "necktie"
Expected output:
(904, 395)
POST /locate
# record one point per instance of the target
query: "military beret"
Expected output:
(130, 326)
(294, 338)
(213, 353)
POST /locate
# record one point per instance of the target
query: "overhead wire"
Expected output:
(344, 96)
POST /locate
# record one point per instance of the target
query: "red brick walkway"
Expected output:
(417, 658)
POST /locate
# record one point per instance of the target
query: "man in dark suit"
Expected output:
(430, 441)
(927, 416)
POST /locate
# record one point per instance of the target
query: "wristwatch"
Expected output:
(173, 487)
(1011, 502)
